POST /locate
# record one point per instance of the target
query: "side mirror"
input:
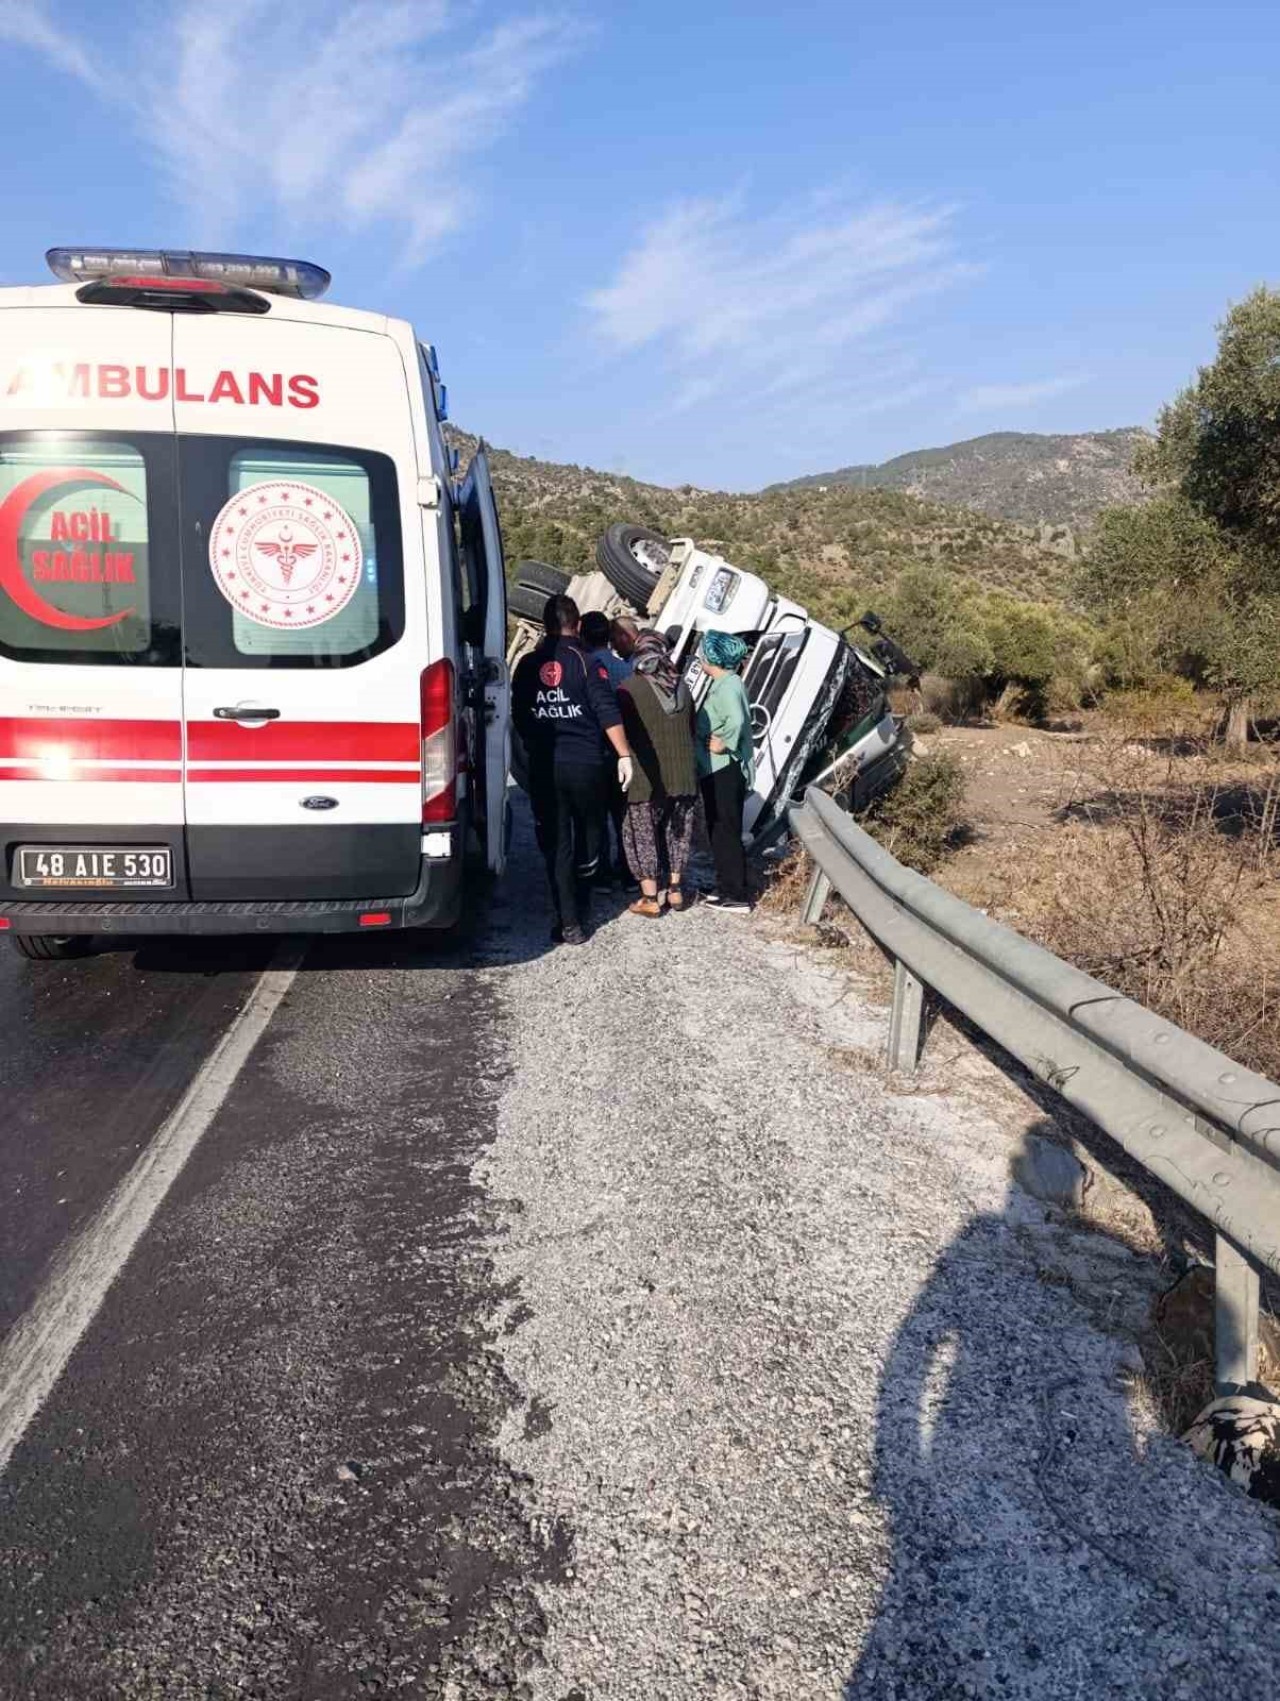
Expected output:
(442, 401)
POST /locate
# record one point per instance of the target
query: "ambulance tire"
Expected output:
(526, 604)
(51, 947)
(617, 559)
(538, 576)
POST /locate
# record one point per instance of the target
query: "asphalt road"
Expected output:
(268, 1466)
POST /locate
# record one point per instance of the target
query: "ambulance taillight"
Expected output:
(439, 744)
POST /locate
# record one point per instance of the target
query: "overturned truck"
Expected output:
(820, 709)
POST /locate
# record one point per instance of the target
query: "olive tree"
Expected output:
(1198, 569)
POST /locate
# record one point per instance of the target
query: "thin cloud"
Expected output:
(1002, 398)
(795, 305)
(318, 113)
(31, 26)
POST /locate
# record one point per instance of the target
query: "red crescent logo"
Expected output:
(551, 673)
(12, 579)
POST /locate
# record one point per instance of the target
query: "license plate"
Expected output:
(119, 867)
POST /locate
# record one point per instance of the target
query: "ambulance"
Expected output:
(252, 626)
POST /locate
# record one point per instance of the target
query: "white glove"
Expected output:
(625, 772)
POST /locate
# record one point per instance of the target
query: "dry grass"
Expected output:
(1156, 872)
(787, 882)
(1178, 1378)
(1177, 1350)
(1161, 882)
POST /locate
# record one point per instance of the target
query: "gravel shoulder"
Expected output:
(792, 1375)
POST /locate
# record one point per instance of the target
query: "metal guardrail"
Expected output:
(1207, 1128)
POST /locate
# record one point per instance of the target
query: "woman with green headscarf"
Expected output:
(726, 766)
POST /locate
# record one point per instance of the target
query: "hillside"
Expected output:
(1030, 478)
(833, 550)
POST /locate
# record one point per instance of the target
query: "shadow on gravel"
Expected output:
(1038, 1550)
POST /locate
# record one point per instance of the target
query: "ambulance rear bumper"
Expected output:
(435, 902)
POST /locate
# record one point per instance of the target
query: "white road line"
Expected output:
(36, 1353)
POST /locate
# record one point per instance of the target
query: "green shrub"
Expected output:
(1167, 705)
(925, 722)
(919, 821)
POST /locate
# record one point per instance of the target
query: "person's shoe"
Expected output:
(572, 934)
(676, 899)
(729, 906)
(645, 906)
(557, 933)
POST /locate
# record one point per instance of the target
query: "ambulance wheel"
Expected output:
(51, 947)
(538, 576)
(526, 604)
(633, 559)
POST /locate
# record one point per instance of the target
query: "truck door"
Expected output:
(90, 658)
(304, 650)
(487, 625)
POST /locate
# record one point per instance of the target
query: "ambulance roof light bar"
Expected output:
(297, 278)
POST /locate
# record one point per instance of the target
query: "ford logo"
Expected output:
(319, 803)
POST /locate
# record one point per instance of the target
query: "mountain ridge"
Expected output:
(1036, 479)
(836, 551)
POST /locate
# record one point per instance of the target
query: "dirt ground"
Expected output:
(1017, 779)
(1025, 786)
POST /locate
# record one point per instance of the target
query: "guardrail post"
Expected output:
(815, 898)
(905, 1019)
(1235, 1319)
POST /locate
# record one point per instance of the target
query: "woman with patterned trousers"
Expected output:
(657, 714)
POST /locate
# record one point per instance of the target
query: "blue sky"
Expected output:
(709, 242)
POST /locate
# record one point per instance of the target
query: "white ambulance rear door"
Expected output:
(482, 557)
(90, 598)
(306, 617)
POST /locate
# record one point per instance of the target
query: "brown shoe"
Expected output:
(675, 897)
(645, 906)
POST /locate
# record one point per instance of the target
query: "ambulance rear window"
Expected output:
(76, 541)
(291, 554)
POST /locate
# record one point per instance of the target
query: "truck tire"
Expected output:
(527, 604)
(632, 558)
(51, 947)
(538, 576)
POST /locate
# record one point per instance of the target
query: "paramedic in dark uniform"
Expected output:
(566, 713)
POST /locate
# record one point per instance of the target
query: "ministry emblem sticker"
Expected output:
(285, 555)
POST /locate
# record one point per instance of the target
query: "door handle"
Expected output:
(238, 713)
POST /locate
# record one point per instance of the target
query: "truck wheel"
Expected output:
(538, 576)
(633, 559)
(527, 604)
(51, 947)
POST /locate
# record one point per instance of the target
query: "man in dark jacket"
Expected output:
(595, 635)
(566, 713)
